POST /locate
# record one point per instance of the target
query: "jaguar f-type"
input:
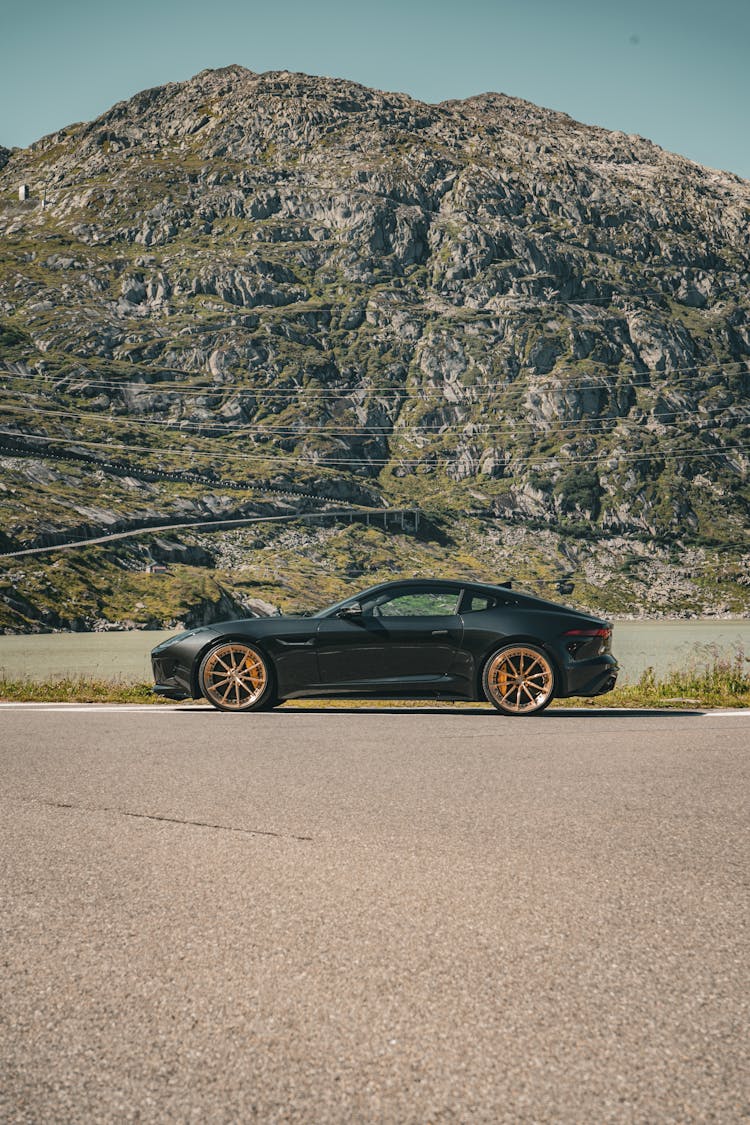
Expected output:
(411, 639)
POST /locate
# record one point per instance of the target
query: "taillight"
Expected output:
(581, 641)
(588, 633)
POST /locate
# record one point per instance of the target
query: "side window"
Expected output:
(417, 603)
(475, 603)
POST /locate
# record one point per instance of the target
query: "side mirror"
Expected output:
(565, 587)
(350, 611)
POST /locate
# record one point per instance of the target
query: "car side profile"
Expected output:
(411, 639)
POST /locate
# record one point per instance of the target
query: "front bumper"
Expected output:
(170, 691)
(170, 678)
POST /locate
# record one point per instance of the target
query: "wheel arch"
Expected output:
(513, 639)
(222, 639)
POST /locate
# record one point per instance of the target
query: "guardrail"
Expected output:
(17, 447)
(367, 515)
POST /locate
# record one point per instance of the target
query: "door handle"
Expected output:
(439, 633)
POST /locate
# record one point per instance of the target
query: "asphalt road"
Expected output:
(327, 916)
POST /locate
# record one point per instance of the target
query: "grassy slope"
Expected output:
(300, 566)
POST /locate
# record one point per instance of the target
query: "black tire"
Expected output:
(269, 704)
(519, 680)
(236, 676)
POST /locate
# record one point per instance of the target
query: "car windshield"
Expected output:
(332, 608)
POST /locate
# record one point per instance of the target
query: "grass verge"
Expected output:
(723, 683)
(75, 689)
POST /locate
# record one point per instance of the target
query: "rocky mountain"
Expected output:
(481, 308)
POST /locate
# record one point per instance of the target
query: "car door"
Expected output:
(406, 638)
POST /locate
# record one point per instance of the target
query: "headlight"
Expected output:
(173, 640)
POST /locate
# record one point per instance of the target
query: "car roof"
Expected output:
(433, 583)
(517, 597)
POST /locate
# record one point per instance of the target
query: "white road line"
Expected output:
(738, 714)
(97, 708)
(195, 707)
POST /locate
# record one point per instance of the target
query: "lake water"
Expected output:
(125, 656)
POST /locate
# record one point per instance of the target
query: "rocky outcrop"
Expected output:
(226, 606)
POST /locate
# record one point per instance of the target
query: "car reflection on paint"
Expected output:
(410, 639)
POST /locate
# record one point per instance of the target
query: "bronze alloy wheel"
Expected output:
(519, 680)
(235, 677)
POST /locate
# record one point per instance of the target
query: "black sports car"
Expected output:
(414, 639)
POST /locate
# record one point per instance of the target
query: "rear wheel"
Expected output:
(235, 676)
(519, 680)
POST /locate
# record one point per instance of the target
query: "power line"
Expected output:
(687, 374)
(630, 304)
(273, 457)
(6, 372)
(193, 428)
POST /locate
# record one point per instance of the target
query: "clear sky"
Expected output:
(676, 71)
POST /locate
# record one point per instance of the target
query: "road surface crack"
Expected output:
(177, 820)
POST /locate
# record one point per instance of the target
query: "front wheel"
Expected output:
(234, 676)
(519, 680)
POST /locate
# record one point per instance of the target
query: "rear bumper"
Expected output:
(589, 677)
